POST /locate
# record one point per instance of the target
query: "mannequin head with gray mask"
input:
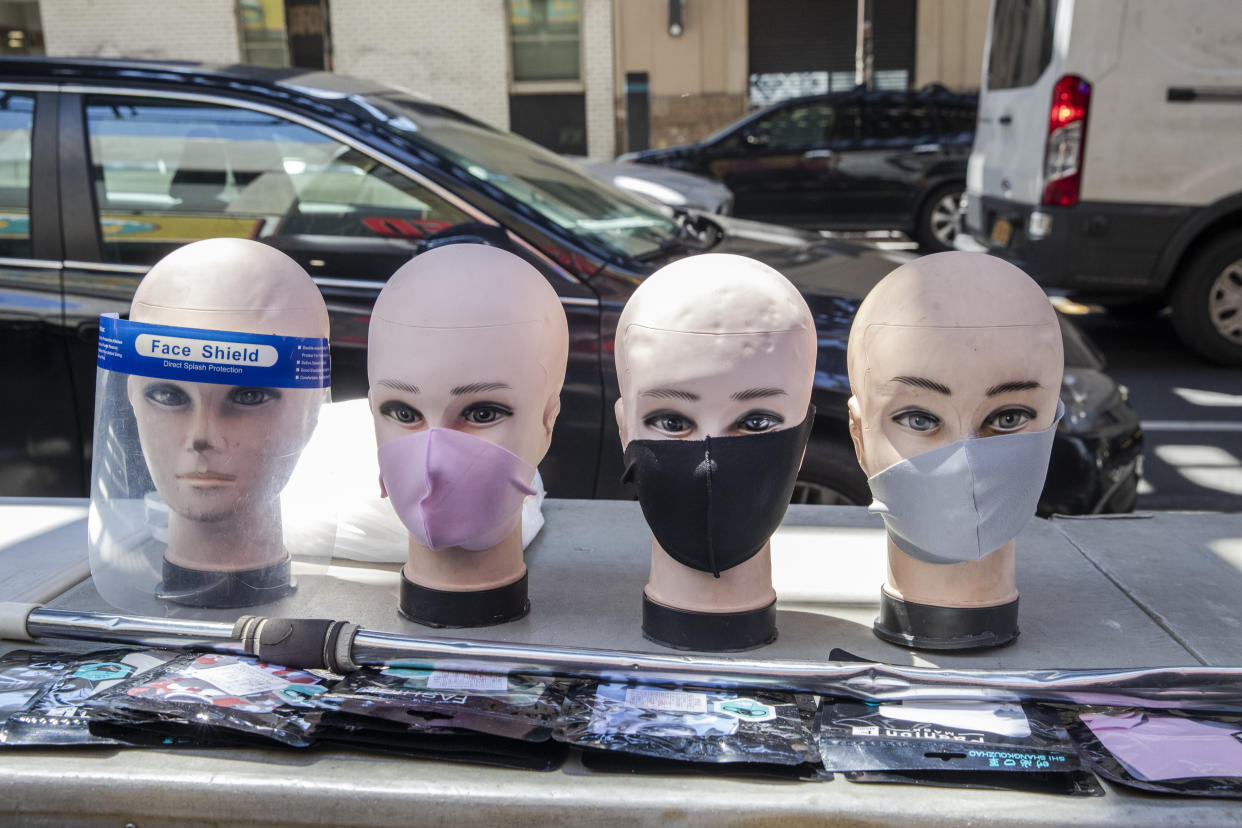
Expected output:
(955, 364)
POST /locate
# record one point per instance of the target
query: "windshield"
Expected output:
(542, 180)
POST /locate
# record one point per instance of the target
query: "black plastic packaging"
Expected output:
(25, 674)
(1067, 783)
(690, 725)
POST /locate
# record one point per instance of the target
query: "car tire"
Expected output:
(939, 220)
(1207, 302)
(830, 476)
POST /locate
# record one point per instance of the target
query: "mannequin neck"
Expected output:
(238, 543)
(987, 582)
(747, 586)
(455, 569)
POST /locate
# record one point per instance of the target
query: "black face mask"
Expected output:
(713, 503)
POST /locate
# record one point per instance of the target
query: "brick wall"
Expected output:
(203, 30)
(455, 53)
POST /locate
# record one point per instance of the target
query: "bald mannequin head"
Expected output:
(221, 454)
(949, 347)
(472, 338)
(708, 341)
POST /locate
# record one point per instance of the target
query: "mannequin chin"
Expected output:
(220, 455)
(470, 339)
(951, 347)
(712, 346)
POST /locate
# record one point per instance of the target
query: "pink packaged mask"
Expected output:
(453, 489)
(1154, 747)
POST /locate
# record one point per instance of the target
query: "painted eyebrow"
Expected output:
(477, 387)
(756, 393)
(399, 385)
(1016, 385)
(670, 393)
(924, 382)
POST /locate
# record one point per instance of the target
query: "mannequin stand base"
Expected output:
(445, 608)
(210, 588)
(927, 627)
(717, 632)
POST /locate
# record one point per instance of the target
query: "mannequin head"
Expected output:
(950, 347)
(219, 453)
(470, 338)
(714, 345)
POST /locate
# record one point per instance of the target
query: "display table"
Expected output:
(1110, 592)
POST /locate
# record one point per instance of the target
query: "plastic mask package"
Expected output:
(24, 674)
(207, 694)
(942, 736)
(706, 726)
(1190, 753)
(448, 701)
(58, 715)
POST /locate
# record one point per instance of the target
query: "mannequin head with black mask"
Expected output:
(715, 358)
(467, 352)
(955, 364)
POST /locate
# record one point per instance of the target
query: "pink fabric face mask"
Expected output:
(452, 489)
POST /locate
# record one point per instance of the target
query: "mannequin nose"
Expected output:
(205, 434)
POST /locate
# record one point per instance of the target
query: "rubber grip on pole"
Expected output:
(13, 620)
(310, 643)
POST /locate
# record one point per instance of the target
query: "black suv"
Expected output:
(860, 160)
(109, 165)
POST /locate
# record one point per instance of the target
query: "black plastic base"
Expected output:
(927, 627)
(208, 588)
(444, 608)
(717, 632)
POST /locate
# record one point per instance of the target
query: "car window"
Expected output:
(16, 121)
(1021, 42)
(171, 172)
(895, 121)
(797, 126)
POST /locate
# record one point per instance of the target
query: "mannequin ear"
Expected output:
(618, 408)
(550, 412)
(856, 435)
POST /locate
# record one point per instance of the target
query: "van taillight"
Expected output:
(1067, 135)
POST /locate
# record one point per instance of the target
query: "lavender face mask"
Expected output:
(453, 489)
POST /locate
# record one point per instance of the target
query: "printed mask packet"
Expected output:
(942, 735)
(24, 674)
(690, 725)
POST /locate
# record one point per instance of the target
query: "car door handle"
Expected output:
(1005, 120)
(817, 153)
(926, 149)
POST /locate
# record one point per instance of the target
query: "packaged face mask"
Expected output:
(447, 701)
(965, 500)
(1066, 783)
(713, 503)
(942, 735)
(59, 715)
(233, 693)
(690, 725)
(1167, 751)
(24, 674)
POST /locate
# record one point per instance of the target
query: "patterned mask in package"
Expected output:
(448, 701)
(24, 674)
(690, 725)
(235, 693)
(944, 736)
(59, 715)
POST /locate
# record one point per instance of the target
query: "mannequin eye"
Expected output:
(253, 396)
(669, 422)
(486, 413)
(757, 421)
(917, 420)
(166, 394)
(400, 412)
(1009, 419)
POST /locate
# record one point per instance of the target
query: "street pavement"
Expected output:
(1191, 410)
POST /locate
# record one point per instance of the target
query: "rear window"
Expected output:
(1021, 42)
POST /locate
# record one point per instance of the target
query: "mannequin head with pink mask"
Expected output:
(467, 352)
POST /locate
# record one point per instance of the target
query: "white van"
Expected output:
(1108, 156)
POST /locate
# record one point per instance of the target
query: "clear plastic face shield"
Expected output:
(200, 498)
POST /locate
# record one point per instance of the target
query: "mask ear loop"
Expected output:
(711, 548)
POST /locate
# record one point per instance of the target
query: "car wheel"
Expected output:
(830, 476)
(1207, 302)
(939, 220)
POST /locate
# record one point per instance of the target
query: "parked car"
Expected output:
(131, 159)
(859, 160)
(662, 185)
(1106, 161)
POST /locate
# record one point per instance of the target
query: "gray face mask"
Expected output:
(964, 500)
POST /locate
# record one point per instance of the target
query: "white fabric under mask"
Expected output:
(965, 500)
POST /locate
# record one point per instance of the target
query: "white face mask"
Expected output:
(965, 500)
